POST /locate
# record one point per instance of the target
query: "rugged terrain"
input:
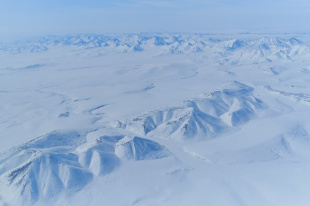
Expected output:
(155, 119)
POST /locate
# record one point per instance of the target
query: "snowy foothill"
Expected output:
(155, 119)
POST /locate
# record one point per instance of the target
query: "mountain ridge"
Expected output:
(260, 49)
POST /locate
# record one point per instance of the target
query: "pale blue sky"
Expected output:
(36, 17)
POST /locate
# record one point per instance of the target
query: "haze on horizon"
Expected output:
(20, 18)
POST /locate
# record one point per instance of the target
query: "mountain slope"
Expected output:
(201, 118)
(65, 162)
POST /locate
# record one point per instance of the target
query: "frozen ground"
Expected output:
(155, 119)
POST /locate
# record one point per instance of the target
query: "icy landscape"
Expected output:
(155, 119)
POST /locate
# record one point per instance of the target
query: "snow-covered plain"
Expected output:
(155, 119)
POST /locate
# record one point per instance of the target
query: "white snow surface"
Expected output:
(155, 119)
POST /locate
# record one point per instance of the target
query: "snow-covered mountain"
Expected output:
(253, 50)
(155, 119)
(204, 117)
(67, 161)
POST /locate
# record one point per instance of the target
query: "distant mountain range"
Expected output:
(257, 50)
